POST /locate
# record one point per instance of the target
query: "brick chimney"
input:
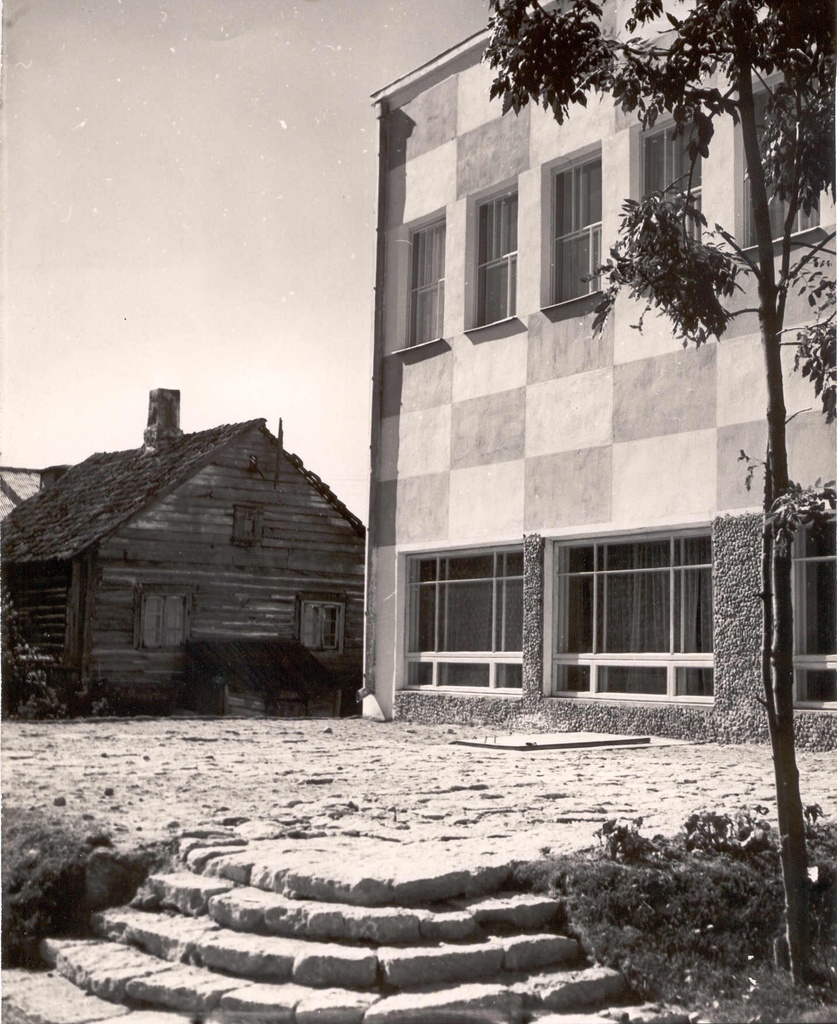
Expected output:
(163, 419)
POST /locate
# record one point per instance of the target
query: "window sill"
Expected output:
(467, 691)
(567, 304)
(811, 705)
(650, 698)
(479, 328)
(421, 347)
(808, 235)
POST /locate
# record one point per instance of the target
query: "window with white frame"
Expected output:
(633, 618)
(427, 284)
(321, 625)
(815, 608)
(777, 208)
(465, 620)
(497, 259)
(577, 207)
(666, 161)
(163, 619)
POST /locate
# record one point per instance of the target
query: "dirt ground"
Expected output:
(355, 780)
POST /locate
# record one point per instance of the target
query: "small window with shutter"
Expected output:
(163, 619)
(248, 524)
(321, 625)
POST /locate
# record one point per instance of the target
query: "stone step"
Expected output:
(384, 879)
(247, 909)
(185, 891)
(119, 974)
(280, 958)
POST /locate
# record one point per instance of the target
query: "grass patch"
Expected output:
(48, 884)
(696, 927)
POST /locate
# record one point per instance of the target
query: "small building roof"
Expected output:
(95, 497)
(16, 485)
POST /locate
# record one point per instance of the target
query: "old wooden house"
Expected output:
(209, 571)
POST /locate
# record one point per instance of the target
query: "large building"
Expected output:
(561, 532)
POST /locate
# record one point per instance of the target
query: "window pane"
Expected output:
(634, 615)
(311, 625)
(573, 263)
(468, 617)
(457, 674)
(817, 684)
(591, 193)
(419, 673)
(624, 679)
(575, 627)
(820, 603)
(330, 620)
(693, 611)
(573, 678)
(173, 626)
(494, 293)
(152, 621)
(511, 563)
(693, 551)
(818, 543)
(647, 555)
(580, 559)
(423, 569)
(470, 567)
(509, 677)
(694, 682)
(509, 616)
(426, 316)
(423, 618)
(654, 165)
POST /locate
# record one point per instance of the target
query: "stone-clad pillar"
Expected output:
(533, 625)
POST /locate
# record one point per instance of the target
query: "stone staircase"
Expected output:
(279, 931)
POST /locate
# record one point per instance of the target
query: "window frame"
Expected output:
(593, 661)
(438, 658)
(306, 603)
(592, 230)
(244, 513)
(666, 131)
(507, 259)
(437, 286)
(747, 226)
(145, 594)
(803, 661)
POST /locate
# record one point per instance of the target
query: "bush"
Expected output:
(45, 864)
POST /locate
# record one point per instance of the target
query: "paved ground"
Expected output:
(352, 780)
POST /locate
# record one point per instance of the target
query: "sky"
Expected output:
(189, 201)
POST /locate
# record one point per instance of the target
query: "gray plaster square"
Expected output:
(417, 380)
(568, 488)
(667, 394)
(423, 123)
(488, 429)
(422, 509)
(731, 483)
(492, 153)
(561, 346)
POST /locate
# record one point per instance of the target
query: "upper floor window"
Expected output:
(427, 288)
(248, 524)
(634, 618)
(666, 161)
(163, 619)
(815, 608)
(322, 625)
(578, 230)
(497, 259)
(777, 208)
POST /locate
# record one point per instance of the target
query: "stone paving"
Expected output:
(353, 781)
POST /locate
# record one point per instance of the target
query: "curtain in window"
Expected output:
(636, 604)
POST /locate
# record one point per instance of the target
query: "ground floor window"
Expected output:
(633, 618)
(322, 625)
(465, 620)
(815, 615)
(163, 619)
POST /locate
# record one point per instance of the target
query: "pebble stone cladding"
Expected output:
(734, 717)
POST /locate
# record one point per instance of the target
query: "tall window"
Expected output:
(466, 620)
(666, 161)
(163, 620)
(427, 292)
(815, 607)
(777, 208)
(497, 260)
(578, 230)
(634, 618)
(322, 625)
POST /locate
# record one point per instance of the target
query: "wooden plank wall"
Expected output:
(237, 591)
(39, 591)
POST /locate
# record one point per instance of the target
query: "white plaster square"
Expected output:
(741, 394)
(655, 339)
(422, 185)
(660, 479)
(487, 501)
(486, 367)
(473, 107)
(569, 412)
(424, 442)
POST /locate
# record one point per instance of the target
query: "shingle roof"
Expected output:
(16, 485)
